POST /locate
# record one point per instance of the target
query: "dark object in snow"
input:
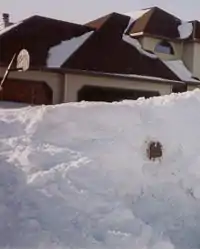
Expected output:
(154, 150)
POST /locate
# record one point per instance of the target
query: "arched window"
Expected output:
(164, 47)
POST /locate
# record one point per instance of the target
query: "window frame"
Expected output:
(164, 47)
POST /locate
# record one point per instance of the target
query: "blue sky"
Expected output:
(84, 10)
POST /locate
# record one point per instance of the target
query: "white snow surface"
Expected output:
(61, 52)
(179, 68)
(185, 29)
(135, 43)
(76, 176)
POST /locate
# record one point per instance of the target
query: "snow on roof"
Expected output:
(135, 43)
(179, 68)
(5, 30)
(185, 29)
(134, 16)
(60, 53)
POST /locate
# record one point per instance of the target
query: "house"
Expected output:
(141, 54)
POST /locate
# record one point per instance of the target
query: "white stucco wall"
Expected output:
(73, 83)
(54, 80)
(191, 57)
(188, 55)
(150, 43)
(196, 62)
(192, 87)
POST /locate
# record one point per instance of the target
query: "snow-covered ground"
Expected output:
(76, 176)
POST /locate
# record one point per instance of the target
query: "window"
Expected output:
(164, 47)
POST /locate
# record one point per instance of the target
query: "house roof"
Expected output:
(151, 21)
(157, 22)
(108, 49)
(38, 35)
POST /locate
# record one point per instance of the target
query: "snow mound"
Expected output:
(76, 175)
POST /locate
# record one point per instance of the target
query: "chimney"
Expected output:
(6, 19)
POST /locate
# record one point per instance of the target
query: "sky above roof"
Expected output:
(83, 11)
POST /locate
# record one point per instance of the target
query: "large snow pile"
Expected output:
(76, 176)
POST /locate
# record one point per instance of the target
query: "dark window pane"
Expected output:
(164, 47)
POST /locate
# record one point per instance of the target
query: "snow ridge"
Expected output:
(77, 175)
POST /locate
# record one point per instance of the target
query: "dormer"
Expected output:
(157, 31)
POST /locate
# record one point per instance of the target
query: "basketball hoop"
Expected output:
(23, 63)
(23, 60)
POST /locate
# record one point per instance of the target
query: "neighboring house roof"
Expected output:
(39, 35)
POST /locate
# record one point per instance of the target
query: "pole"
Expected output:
(7, 72)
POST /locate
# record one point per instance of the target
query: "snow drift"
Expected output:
(77, 176)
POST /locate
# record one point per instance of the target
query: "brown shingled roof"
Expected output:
(157, 22)
(106, 51)
(37, 34)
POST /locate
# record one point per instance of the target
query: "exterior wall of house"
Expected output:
(150, 43)
(54, 80)
(73, 83)
(188, 55)
(191, 57)
(192, 87)
(196, 67)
